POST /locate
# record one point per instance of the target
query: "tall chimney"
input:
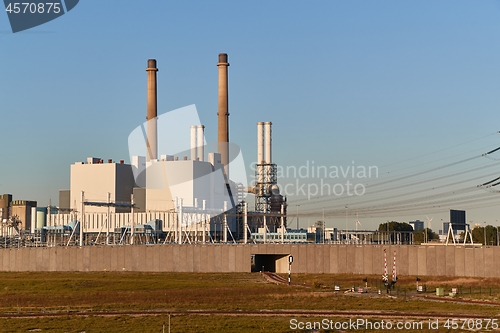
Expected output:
(201, 142)
(260, 151)
(193, 143)
(260, 142)
(267, 126)
(152, 138)
(223, 113)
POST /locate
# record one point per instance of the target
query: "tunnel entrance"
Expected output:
(276, 263)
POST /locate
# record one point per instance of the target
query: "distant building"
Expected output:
(5, 200)
(26, 213)
(41, 217)
(457, 219)
(417, 225)
(65, 200)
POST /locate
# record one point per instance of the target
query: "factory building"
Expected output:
(188, 196)
(161, 184)
(26, 213)
(96, 179)
(196, 182)
(5, 200)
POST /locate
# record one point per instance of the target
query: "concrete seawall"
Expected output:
(308, 258)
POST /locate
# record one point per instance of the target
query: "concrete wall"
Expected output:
(308, 258)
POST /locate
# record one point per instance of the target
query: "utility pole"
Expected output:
(132, 222)
(82, 219)
(297, 217)
(484, 231)
(245, 223)
(346, 224)
(324, 226)
(282, 219)
(497, 233)
(388, 234)
(225, 222)
(107, 221)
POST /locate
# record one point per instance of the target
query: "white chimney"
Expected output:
(267, 126)
(193, 142)
(260, 142)
(201, 142)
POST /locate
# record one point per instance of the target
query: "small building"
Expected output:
(25, 212)
(417, 225)
(5, 200)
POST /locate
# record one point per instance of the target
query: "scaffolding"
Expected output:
(267, 179)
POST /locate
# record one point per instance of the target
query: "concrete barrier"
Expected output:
(308, 258)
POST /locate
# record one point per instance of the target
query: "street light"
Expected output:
(497, 232)
(346, 224)
(297, 217)
(388, 232)
(324, 226)
(484, 229)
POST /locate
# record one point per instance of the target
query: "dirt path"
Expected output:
(253, 313)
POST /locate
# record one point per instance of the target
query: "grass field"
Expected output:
(76, 297)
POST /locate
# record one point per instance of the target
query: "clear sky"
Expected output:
(407, 86)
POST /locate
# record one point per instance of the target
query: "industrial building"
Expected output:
(21, 212)
(102, 182)
(18, 220)
(187, 212)
(417, 225)
(165, 198)
(5, 200)
(25, 211)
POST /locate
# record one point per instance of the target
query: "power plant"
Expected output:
(186, 210)
(165, 198)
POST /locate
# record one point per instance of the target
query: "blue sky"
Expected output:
(375, 82)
